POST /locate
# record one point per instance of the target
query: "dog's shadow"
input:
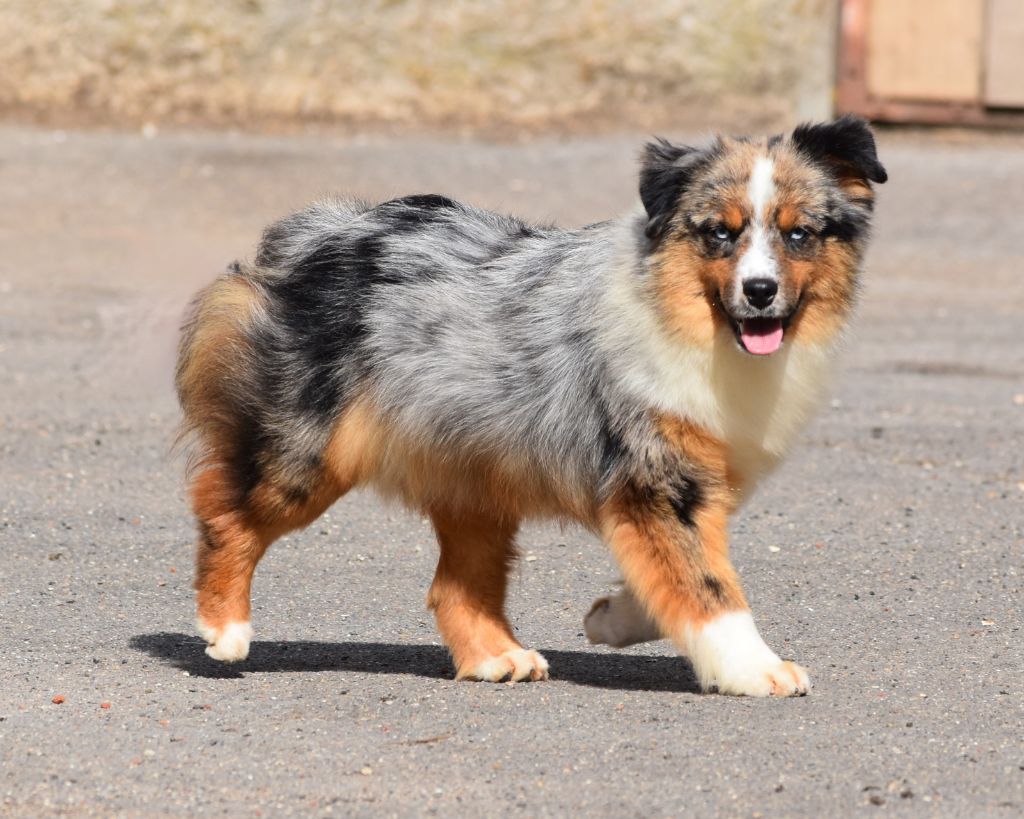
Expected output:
(596, 668)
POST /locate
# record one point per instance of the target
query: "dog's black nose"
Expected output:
(760, 292)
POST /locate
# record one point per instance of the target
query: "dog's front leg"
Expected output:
(620, 620)
(677, 567)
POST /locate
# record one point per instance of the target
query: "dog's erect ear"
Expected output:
(664, 171)
(846, 147)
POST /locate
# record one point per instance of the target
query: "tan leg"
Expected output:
(231, 542)
(468, 599)
(669, 533)
(680, 572)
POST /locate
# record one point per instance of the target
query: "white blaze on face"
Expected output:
(758, 262)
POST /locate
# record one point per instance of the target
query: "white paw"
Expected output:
(515, 665)
(619, 621)
(229, 644)
(729, 655)
(784, 679)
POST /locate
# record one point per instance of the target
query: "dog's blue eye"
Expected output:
(797, 235)
(721, 233)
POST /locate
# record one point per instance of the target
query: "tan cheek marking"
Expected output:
(685, 285)
(799, 275)
(827, 284)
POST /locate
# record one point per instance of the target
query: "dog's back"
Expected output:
(470, 333)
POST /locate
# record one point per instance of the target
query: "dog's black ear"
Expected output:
(665, 169)
(846, 147)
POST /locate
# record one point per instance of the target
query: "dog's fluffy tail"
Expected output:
(215, 369)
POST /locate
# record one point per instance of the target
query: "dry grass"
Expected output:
(529, 64)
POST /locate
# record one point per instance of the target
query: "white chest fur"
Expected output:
(755, 404)
(763, 402)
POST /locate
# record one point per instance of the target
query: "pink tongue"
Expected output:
(761, 336)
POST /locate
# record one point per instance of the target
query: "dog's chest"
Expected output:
(763, 403)
(756, 406)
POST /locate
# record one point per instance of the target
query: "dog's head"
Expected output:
(762, 239)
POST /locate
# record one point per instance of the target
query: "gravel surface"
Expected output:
(886, 554)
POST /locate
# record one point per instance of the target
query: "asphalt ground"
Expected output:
(885, 555)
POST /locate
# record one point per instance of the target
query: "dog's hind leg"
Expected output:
(468, 599)
(235, 530)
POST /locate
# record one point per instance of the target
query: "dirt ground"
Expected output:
(531, 64)
(886, 555)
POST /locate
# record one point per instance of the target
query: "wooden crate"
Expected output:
(1004, 54)
(932, 61)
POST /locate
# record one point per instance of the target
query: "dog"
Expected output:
(638, 376)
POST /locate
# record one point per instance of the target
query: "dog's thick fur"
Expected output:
(637, 376)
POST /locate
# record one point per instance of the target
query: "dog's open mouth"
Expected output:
(761, 336)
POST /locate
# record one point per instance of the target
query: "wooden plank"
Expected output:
(939, 113)
(1004, 54)
(852, 94)
(927, 50)
(851, 74)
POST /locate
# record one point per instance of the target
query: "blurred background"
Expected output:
(533, 63)
(145, 144)
(496, 64)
